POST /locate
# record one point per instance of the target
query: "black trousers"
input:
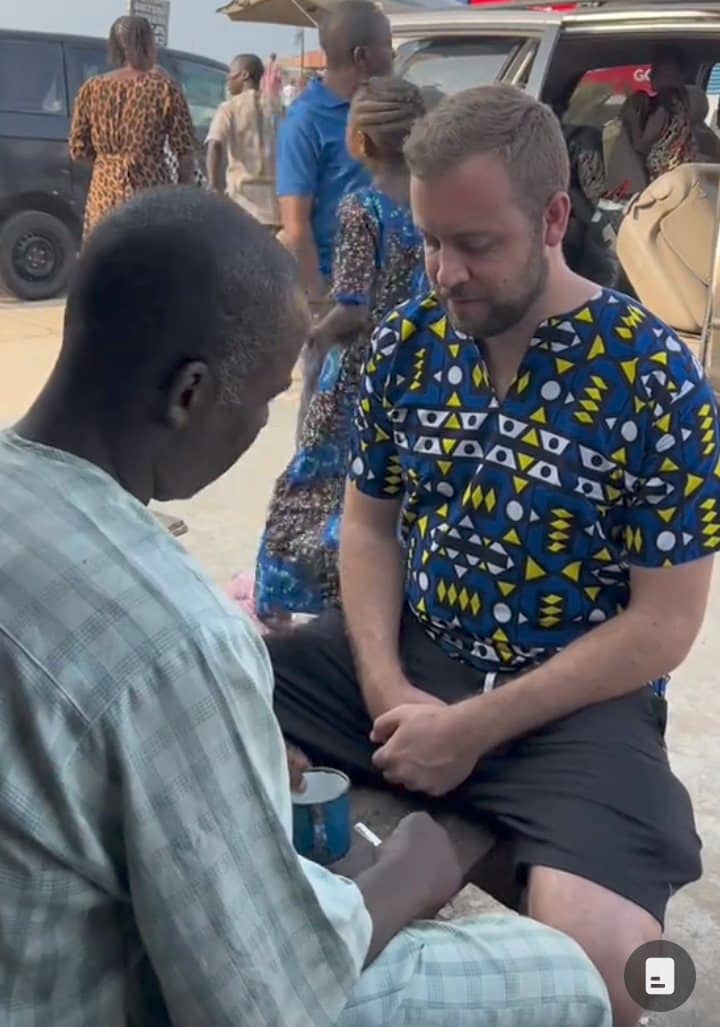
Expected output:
(592, 794)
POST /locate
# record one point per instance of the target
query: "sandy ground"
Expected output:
(225, 522)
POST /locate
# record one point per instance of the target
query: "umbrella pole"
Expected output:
(296, 3)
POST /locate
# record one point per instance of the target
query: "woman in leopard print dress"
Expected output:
(125, 122)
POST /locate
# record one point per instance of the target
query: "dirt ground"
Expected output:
(225, 522)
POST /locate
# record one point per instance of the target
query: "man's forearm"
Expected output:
(214, 166)
(372, 583)
(613, 660)
(392, 900)
(300, 242)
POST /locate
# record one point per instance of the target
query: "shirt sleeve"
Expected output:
(219, 126)
(298, 158)
(354, 267)
(81, 143)
(673, 515)
(238, 929)
(181, 134)
(374, 461)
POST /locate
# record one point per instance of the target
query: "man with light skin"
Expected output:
(533, 508)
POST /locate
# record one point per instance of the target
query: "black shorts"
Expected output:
(592, 794)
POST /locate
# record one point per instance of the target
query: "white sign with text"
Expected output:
(157, 13)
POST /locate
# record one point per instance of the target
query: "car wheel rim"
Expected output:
(35, 257)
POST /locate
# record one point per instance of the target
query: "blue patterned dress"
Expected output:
(378, 263)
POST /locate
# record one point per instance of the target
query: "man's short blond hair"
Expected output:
(494, 119)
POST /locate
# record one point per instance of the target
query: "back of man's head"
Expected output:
(498, 119)
(175, 275)
(351, 25)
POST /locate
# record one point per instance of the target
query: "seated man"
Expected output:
(550, 454)
(147, 874)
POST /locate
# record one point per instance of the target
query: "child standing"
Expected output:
(377, 267)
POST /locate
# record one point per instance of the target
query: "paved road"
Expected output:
(225, 521)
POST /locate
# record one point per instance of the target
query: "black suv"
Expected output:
(42, 192)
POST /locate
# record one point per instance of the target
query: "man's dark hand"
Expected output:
(298, 763)
(423, 851)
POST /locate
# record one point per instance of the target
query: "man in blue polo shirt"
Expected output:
(315, 169)
(527, 546)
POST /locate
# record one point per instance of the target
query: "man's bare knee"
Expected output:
(609, 928)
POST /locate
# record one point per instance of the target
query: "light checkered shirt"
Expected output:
(147, 875)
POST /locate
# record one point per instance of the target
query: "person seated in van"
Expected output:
(660, 126)
(707, 144)
(588, 188)
(126, 122)
(243, 134)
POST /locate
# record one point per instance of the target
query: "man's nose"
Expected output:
(451, 268)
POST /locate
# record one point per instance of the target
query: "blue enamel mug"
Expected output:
(321, 816)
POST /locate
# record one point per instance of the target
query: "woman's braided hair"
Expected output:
(132, 42)
(385, 110)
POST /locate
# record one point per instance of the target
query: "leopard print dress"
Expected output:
(124, 127)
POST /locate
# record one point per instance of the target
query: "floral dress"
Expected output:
(378, 263)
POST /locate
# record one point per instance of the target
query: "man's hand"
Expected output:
(321, 342)
(382, 697)
(422, 748)
(417, 873)
(298, 763)
(423, 850)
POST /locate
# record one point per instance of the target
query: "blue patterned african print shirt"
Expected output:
(520, 519)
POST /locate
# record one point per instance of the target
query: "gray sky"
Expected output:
(194, 25)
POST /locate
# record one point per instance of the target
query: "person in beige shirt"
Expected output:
(242, 136)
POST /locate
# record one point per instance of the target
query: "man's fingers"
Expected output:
(380, 759)
(386, 725)
(298, 763)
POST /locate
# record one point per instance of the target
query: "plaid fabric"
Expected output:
(147, 874)
(490, 971)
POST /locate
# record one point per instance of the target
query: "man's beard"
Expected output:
(502, 316)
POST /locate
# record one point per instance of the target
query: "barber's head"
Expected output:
(355, 36)
(184, 321)
(489, 178)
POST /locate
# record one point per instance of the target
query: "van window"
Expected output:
(713, 93)
(82, 63)
(445, 66)
(32, 80)
(204, 88)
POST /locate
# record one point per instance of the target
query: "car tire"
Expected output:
(37, 253)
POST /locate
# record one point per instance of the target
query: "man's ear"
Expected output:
(192, 390)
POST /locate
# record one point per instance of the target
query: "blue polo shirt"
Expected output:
(313, 160)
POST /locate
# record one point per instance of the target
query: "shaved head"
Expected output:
(351, 26)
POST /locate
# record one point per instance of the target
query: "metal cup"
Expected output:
(321, 816)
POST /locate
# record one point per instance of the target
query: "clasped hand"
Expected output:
(422, 747)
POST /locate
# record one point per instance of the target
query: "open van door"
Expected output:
(710, 342)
